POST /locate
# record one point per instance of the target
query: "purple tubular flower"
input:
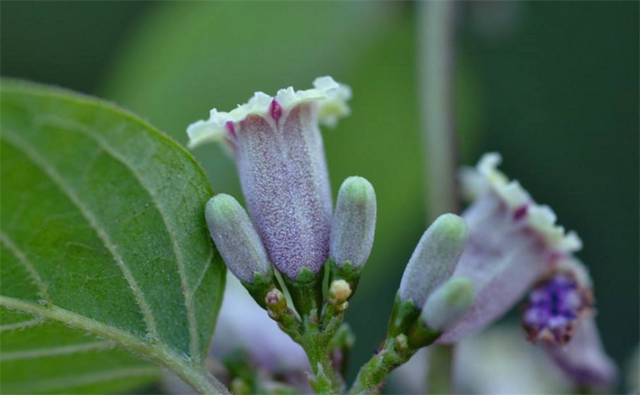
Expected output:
(279, 154)
(559, 314)
(513, 242)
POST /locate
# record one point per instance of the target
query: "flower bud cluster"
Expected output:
(281, 249)
(465, 272)
(279, 152)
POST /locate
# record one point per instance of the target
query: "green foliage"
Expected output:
(104, 247)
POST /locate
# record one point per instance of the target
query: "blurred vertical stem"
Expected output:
(440, 370)
(436, 51)
(436, 67)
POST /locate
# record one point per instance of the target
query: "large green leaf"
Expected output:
(102, 232)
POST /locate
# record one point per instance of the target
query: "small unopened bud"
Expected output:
(276, 303)
(240, 387)
(402, 342)
(434, 259)
(339, 291)
(354, 222)
(275, 298)
(236, 239)
(448, 303)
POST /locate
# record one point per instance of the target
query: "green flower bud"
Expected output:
(236, 239)
(448, 303)
(434, 259)
(353, 223)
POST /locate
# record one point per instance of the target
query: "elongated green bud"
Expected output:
(236, 239)
(353, 223)
(448, 303)
(434, 259)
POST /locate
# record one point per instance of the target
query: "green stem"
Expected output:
(439, 377)
(373, 374)
(325, 380)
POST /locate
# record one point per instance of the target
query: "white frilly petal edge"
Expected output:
(332, 98)
(540, 218)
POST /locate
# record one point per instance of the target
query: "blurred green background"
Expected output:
(553, 86)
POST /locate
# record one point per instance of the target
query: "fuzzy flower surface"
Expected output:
(434, 259)
(354, 221)
(512, 243)
(279, 154)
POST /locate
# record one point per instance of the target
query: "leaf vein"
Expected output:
(63, 383)
(55, 351)
(22, 258)
(22, 325)
(206, 267)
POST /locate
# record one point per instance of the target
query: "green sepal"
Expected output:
(403, 316)
(306, 292)
(419, 335)
(260, 286)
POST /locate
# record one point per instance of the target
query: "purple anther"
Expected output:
(553, 308)
(231, 128)
(275, 110)
(520, 212)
